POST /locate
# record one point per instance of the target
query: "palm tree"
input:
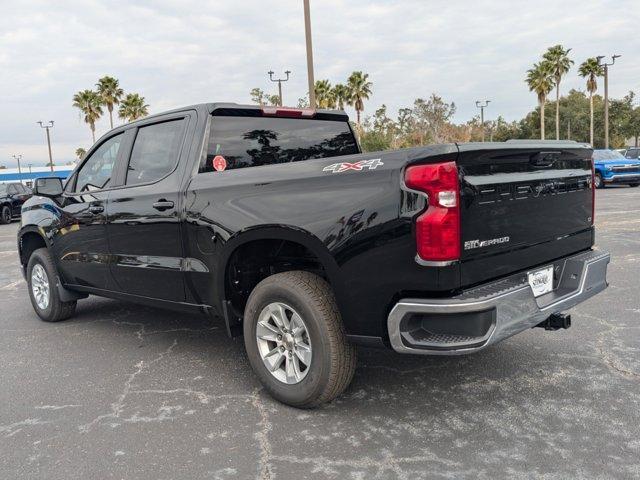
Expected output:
(133, 107)
(324, 94)
(341, 94)
(591, 70)
(359, 90)
(558, 59)
(80, 153)
(540, 81)
(110, 93)
(90, 105)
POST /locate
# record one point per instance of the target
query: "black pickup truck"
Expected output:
(272, 219)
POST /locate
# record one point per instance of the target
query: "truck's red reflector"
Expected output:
(288, 112)
(438, 227)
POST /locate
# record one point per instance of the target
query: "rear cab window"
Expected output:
(250, 141)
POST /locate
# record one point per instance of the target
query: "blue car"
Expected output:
(612, 167)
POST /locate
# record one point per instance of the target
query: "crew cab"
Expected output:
(12, 196)
(612, 167)
(272, 219)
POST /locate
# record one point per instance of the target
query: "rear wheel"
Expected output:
(295, 339)
(5, 215)
(42, 278)
(598, 181)
(634, 184)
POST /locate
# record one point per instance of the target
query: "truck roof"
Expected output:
(230, 108)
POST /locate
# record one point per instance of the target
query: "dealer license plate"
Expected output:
(541, 281)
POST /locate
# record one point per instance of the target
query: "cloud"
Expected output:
(181, 52)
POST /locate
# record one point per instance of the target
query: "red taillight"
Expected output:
(593, 193)
(438, 227)
(288, 112)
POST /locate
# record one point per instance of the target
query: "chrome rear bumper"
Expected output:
(495, 310)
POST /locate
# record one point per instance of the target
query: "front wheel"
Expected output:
(634, 184)
(41, 278)
(295, 339)
(598, 181)
(5, 215)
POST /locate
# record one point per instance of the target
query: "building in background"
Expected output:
(28, 175)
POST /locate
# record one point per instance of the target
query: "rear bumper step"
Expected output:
(487, 314)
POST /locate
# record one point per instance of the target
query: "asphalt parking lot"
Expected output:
(123, 391)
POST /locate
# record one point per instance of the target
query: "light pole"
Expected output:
(307, 34)
(18, 158)
(47, 127)
(279, 80)
(606, 95)
(482, 106)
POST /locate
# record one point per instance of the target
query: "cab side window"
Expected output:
(155, 151)
(96, 172)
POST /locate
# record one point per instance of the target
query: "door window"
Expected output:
(96, 172)
(12, 190)
(155, 152)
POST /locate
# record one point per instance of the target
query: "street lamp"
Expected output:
(606, 95)
(482, 105)
(279, 80)
(307, 34)
(18, 158)
(47, 127)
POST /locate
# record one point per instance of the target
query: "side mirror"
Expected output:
(48, 187)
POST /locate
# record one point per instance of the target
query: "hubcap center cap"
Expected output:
(288, 341)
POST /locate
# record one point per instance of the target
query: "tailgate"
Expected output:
(522, 204)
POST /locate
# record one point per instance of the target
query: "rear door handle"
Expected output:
(163, 205)
(96, 209)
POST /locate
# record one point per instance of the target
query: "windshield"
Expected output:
(607, 155)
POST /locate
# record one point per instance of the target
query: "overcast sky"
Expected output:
(176, 53)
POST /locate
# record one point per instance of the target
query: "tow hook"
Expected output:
(556, 321)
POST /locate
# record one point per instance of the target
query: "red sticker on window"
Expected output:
(219, 163)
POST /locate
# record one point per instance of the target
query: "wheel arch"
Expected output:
(30, 238)
(295, 249)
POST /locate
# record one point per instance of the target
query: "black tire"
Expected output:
(634, 184)
(598, 180)
(5, 215)
(56, 310)
(333, 359)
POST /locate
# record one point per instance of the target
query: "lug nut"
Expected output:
(282, 349)
(279, 337)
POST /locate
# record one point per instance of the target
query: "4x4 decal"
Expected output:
(358, 166)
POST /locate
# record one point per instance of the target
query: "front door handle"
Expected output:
(163, 205)
(96, 209)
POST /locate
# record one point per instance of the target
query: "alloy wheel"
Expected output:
(40, 286)
(283, 343)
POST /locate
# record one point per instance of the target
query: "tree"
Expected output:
(133, 107)
(341, 94)
(631, 127)
(110, 93)
(431, 116)
(359, 90)
(81, 153)
(591, 70)
(259, 97)
(90, 105)
(325, 97)
(560, 63)
(540, 81)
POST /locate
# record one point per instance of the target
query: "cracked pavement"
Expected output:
(124, 391)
